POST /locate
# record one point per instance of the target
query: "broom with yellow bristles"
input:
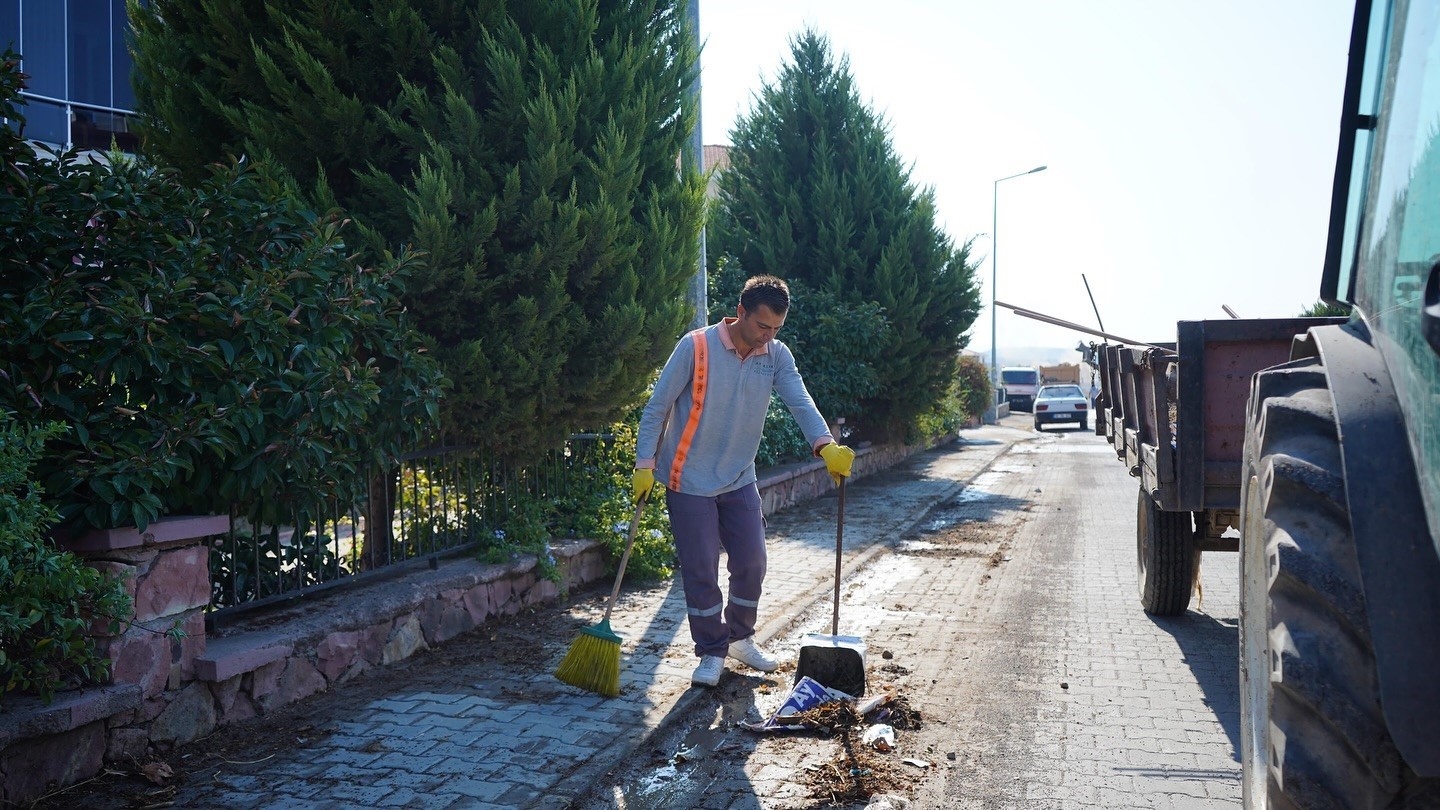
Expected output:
(593, 663)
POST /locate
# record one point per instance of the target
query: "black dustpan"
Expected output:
(835, 661)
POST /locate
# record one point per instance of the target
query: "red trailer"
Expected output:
(1175, 413)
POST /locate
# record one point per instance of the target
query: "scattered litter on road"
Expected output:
(919, 763)
(872, 703)
(888, 802)
(879, 736)
(808, 695)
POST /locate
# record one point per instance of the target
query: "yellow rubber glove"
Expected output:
(838, 458)
(644, 483)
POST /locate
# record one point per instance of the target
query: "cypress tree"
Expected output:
(528, 150)
(816, 193)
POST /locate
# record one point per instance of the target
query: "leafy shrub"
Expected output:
(972, 386)
(48, 598)
(783, 441)
(249, 565)
(598, 506)
(211, 348)
(838, 347)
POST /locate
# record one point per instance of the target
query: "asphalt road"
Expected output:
(1011, 621)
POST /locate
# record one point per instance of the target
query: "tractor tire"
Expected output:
(1166, 558)
(1312, 730)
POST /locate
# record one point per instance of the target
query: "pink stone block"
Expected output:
(177, 581)
(299, 680)
(166, 530)
(126, 743)
(444, 617)
(501, 592)
(241, 710)
(405, 640)
(142, 657)
(189, 716)
(478, 604)
(265, 680)
(30, 769)
(337, 652)
(372, 643)
(544, 591)
(225, 658)
(151, 708)
(522, 587)
(225, 694)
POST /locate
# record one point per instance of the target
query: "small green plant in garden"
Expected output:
(49, 599)
(599, 507)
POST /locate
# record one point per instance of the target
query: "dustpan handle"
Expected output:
(839, 547)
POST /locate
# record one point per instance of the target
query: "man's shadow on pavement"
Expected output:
(701, 751)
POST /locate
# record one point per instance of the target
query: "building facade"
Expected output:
(77, 55)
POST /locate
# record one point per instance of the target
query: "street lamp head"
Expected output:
(1037, 169)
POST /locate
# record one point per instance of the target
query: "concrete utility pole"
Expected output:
(694, 159)
(992, 412)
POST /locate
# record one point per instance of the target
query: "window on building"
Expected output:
(76, 53)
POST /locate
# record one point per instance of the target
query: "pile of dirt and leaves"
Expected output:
(868, 763)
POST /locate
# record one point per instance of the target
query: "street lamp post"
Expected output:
(991, 413)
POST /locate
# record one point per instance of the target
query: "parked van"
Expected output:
(1020, 384)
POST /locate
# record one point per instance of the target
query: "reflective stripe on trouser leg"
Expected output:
(702, 526)
(742, 534)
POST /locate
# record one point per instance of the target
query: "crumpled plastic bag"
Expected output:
(879, 736)
(807, 693)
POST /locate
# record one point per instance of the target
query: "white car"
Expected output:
(1061, 403)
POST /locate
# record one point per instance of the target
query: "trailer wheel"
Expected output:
(1166, 557)
(1312, 730)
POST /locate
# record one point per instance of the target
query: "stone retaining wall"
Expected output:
(168, 691)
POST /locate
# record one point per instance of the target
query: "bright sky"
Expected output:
(1190, 144)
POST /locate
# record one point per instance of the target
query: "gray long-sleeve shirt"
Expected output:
(720, 456)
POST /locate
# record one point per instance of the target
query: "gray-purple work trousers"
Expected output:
(702, 526)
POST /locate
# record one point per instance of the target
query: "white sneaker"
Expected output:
(752, 656)
(708, 673)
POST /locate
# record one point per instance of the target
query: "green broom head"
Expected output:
(602, 631)
(593, 663)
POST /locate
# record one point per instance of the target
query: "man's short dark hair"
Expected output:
(766, 291)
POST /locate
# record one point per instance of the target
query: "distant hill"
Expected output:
(1035, 356)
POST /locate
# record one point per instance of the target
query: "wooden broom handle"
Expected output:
(625, 558)
(839, 547)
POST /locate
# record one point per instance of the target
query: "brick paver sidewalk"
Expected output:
(514, 737)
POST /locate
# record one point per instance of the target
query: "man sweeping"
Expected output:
(698, 437)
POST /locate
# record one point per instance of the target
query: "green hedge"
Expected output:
(210, 348)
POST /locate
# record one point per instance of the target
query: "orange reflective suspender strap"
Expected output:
(697, 404)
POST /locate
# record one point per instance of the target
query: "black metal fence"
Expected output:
(434, 503)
